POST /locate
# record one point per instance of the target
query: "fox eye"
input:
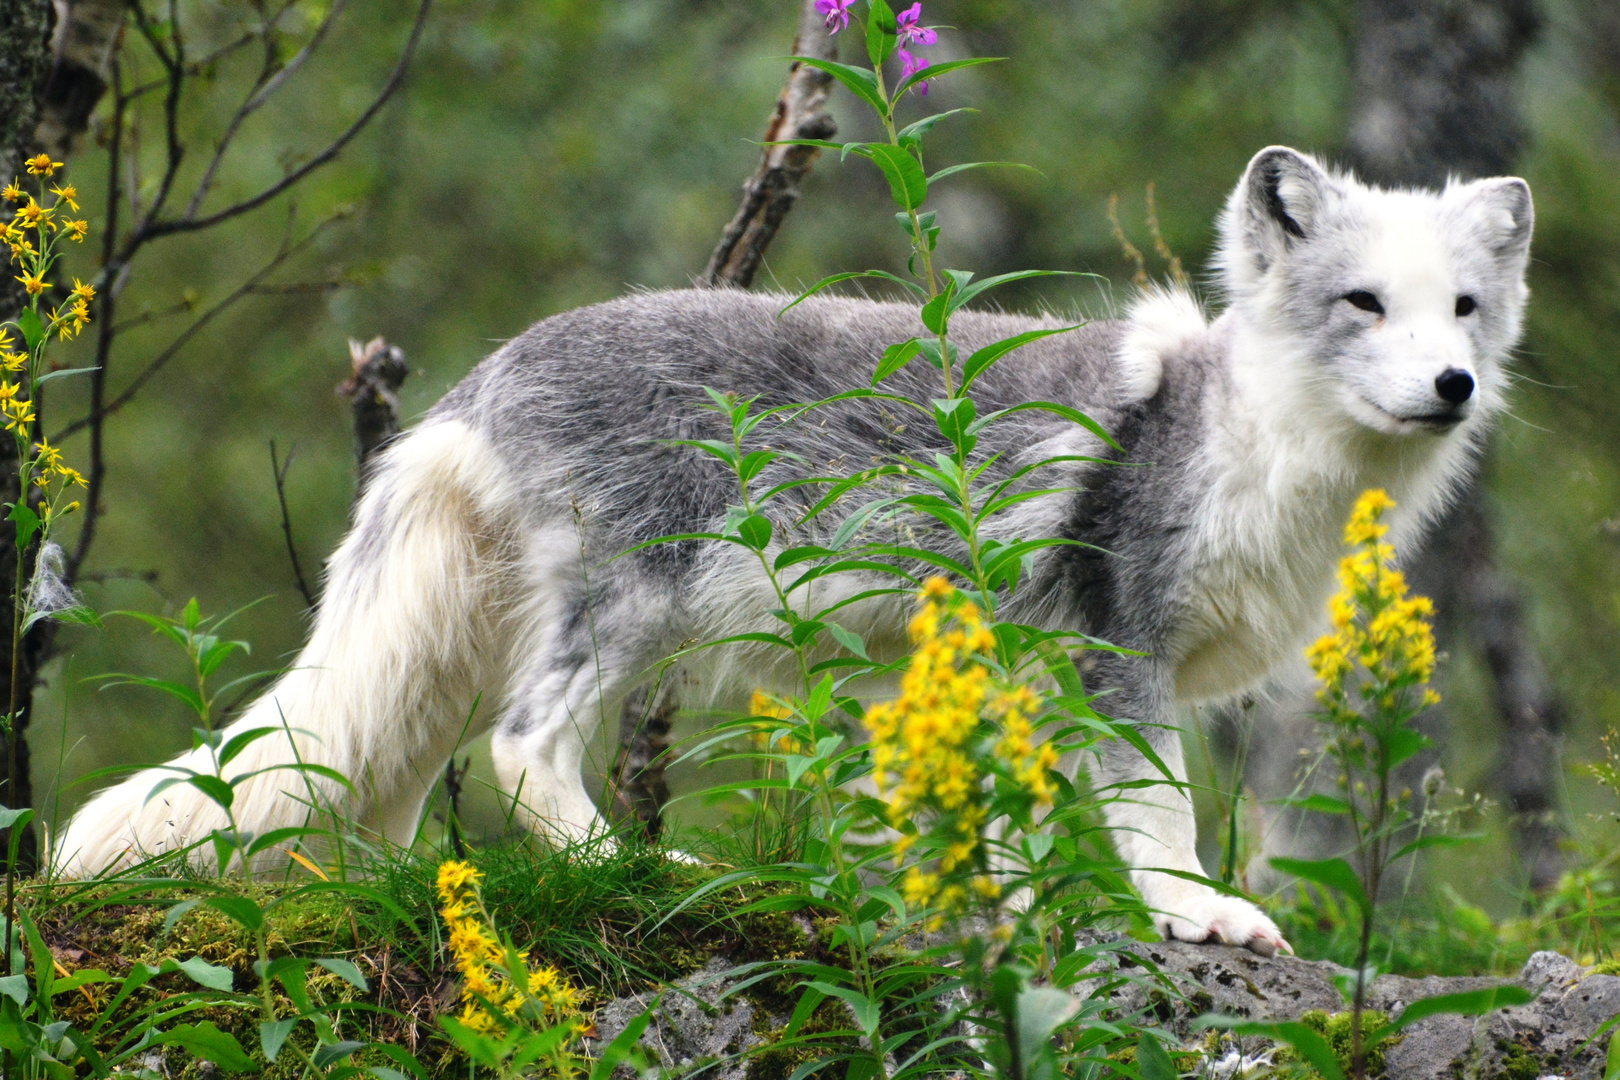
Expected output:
(1466, 306)
(1366, 301)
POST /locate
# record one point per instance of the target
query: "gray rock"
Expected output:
(1171, 984)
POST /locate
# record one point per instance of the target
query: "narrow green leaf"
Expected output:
(907, 183)
(33, 330)
(882, 32)
(272, 1034)
(344, 970)
(895, 357)
(969, 166)
(63, 373)
(206, 1041)
(914, 131)
(850, 275)
(1334, 874)
(1311, 1046)
(860, 82)
(755, 531)
(330, 1053)
(1468, 1003)
(15, 987)
(1153, 1062)
(240, 908)
(27, 523)
(849, 640)
(934, 71)
(203, 973)
(982, 360)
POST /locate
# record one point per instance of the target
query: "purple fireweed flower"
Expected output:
(909, 66)
(837, 13)
(910, 31)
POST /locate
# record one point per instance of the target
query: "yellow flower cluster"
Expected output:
(48, 460)
(1376, 625)
(763, 704)
(491, 1000)
(929, 744)
(41, 219)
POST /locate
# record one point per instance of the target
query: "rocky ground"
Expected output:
(701, 1027)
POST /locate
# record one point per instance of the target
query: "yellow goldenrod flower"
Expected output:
(12, 192)
(31, 214)
(82, 291)
(33, 282)
(1378, 629)
(493, 997)
(42, 165)
(77, 230)
(66, 194)
(935, 746)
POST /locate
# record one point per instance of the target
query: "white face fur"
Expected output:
(1406, 302)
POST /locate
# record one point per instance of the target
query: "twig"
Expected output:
(279, 471)
(251, 287)
(154, 228)
(771, 192)
(264, 88)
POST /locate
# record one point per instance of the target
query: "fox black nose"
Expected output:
(1454, 385)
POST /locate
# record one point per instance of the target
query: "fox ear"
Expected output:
(1278, 203)
(1501, 211)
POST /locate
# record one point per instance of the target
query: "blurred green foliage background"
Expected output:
(545, 154)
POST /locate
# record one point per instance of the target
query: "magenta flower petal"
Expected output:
(836, 12)
(910, 31)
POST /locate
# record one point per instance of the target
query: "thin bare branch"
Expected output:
(254, 285)
(801, 113)
(192, 224)
(264, 88)
(279, 471)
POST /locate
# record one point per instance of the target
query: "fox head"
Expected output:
(1397, 307)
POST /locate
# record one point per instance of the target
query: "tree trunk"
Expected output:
(24, 59)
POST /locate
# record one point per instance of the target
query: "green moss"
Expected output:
(1337, 1031)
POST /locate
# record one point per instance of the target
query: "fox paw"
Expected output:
(1226, 919)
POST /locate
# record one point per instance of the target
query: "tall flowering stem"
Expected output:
(500, 988)
(954, 727)
(1374, 670)
(41, 219)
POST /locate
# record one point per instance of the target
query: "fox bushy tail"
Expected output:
(403, 643)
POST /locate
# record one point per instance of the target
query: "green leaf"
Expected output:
(834, 279)
(934, 71)
(62, 374)
(203, 973)
(1311, 1046)
(971, 165)
(623, 1044)
(1072, 415)
(860, 82)
(895, 357)
(955, 416)
(206, 1041)
(187, 694)
(1041, 1011)
(1321, 804)
(863, 1008)
(914, 131)
(1335, 874)
(1153, 1062)
(239, 743)
(344, 970)
(273, 1033)
(981, 361)
(1468, 1003)
(330, 1053)
(240, 908)
(936, 313)
(849, 640)
(1611, 1069)
(15, 987)
(882, 32)
(216, 789)
(32, 329)
(9, 817)
(27, 523)
(907, 183)
(755, 531)
(1436, 840)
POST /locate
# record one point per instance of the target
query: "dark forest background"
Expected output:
(544, 155)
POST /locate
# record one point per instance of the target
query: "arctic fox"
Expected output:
(1362, 345)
